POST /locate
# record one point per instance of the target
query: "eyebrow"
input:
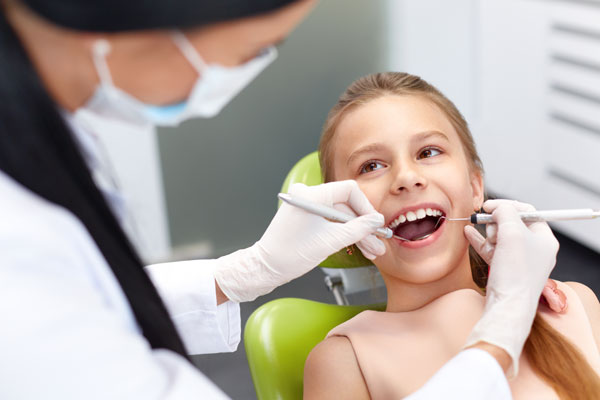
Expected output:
(370, 148)
(375, 147)
(428, 134)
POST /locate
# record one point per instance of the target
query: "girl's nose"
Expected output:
(408, 179)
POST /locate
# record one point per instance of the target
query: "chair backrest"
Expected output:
(279, 336)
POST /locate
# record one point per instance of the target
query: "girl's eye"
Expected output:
(370, 166)
(429, 152)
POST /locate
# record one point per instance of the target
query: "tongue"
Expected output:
(415, 229)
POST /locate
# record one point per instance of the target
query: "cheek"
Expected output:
(374, 192)
(457, 185)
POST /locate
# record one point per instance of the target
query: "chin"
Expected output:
(429, 271)
(427, 265)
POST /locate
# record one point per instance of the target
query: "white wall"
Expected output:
(501, 62)
(437, 40)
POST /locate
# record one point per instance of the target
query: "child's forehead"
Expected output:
(410, 113)
(391, 118)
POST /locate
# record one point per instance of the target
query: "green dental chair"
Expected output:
(280, 334)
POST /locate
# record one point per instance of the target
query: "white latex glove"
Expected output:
(297, 241)
(552, 296)
(522, 258)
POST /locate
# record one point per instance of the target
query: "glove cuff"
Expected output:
(505, 323)
(243, 275)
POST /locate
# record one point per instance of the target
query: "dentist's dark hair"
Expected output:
(38, 151)
(551, 355)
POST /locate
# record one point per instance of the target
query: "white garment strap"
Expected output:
(473, 374)
(189, 51)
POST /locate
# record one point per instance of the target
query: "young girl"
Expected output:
(412, 154)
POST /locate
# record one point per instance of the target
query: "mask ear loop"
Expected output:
(189, 51)
(100, 49)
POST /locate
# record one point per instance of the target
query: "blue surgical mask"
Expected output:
(215, 87)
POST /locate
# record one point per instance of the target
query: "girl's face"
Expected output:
(409, 161)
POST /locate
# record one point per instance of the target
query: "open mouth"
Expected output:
(417, 225)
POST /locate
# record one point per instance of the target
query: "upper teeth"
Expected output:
(414, 215)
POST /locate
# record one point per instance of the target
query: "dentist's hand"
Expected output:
(552, 296)
(523, 257)
(297, 241)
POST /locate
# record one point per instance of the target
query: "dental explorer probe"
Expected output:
(328, 212)
(536, 216)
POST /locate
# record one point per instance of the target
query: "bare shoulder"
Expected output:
(590, 304)
(587, 297)
(332, 371)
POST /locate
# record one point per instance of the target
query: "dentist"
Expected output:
(81, 317)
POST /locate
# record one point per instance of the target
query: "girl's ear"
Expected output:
(478, 190)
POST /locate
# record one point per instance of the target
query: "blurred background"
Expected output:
(525, 74)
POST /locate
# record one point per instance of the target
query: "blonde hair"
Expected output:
(552, 356)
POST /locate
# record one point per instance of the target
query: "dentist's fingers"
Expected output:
(490, 205)
(536, 227)
(479, 243)
(333, 193)
(491, 233)
(474, 237)
(509, 223)
(349, 192)
(370, 246)
(345, 208)
(551, 294)
(555, 298)
(355, 231)
(504, 210)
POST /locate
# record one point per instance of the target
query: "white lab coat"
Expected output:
(67, 330)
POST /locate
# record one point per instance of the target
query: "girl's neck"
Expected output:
(407, 296)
